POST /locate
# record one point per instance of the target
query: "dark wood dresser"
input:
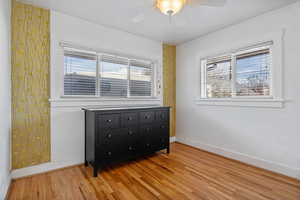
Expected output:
(118, 134)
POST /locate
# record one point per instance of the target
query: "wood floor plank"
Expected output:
(184, 174)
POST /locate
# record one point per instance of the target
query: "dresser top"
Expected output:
(93, 109)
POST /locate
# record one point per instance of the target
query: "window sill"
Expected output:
(243, 102)
(96, 101)
(89, 98)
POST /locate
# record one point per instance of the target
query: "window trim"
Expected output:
(233, 58)
(276, 80)
(240, 102)
(98, 54)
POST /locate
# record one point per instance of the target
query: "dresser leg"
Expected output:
(86, 163)
(95, 171)
(168, 149)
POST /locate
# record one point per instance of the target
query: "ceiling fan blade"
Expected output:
(212, 3)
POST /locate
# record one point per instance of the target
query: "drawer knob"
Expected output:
(146, 117)
(109, 120)
(109, 153)
(129, 118)
(148, 145)
(109, 135)
(162, 126)
(130, 148)
(130, 132)
(147, 129)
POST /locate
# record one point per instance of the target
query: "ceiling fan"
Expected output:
(172, 7)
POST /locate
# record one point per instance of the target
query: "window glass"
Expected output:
(253, 74)
(219, 79)
(79, 74)
(113, 77)
(140, 79)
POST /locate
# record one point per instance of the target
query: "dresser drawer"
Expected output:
(162, 129)
(129, 119)
(147, 117)
(162, 115)
(147, 130)
(161, 142)
(131, 149)
(108, 154)
(109, 137)
(148, 135)
(118, 147)
(116, 137)
(112, 143)
(109, 120)
(130, 134)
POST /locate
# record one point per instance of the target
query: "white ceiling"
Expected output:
(139, 16)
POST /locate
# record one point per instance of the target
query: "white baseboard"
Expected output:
(42, 168)
(4, 186)
(265, 164)
(172, 139)
(45, 167)
(258, 162)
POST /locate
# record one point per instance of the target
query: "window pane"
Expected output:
(140, 79)
(253, 74)
(218, 79)
(113, 77)
(79, 74)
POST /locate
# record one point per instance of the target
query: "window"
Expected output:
(219, 77)
(102, 75)
(113, 77)
(140, 79)
(245, 73)
(253, 73)
(79, 73)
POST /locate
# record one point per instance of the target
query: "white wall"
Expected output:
(67, 119)
(5, 122)
(265, 137)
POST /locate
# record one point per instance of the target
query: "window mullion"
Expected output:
(271, 73)
(128, 79)
(203, 74)
(153, 86)
(233, 75)
(98, 77)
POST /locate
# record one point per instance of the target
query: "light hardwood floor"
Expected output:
(186, 173)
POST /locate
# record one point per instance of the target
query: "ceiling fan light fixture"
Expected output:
(170, 7)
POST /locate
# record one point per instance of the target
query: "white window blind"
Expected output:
(106, 75)
(219, 77)
(253, 73)
(113, 77)
(140, 79)
(79, 73)
(243, 73)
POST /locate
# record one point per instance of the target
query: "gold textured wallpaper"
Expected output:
(169, 77)
(30, 85)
